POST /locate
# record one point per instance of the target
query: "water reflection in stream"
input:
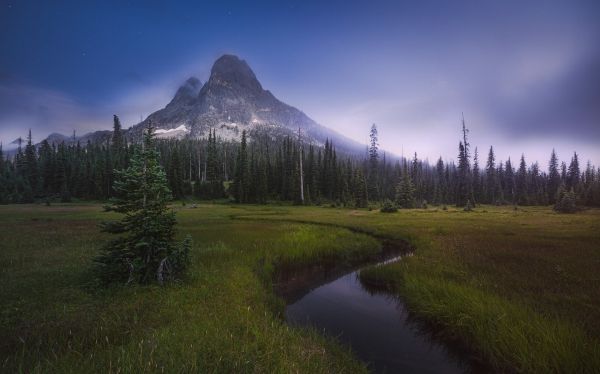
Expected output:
(375, 325)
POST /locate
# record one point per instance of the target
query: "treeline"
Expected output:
(272, 169)
(48, 172)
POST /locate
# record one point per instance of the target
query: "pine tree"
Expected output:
(415, 175)
(521, 183)
(465, 191)
(491, 180)
(213, 174)
(566, 201)
(262, 183)
(335, 175)
(312, 175)
(62, 177)
(509, 182)
(588, 184)
(441, 187)
(30, 164)
(538, 192)
(176, 174)
(462, 189)
(596, 188)
(117, 145)
(405, 191)
(47, 167)
(346, 182)
(554, 179)
(297, 192)
(477, 189)
(301, 181)
(108, 172)
(241, 180)
(360, 188)
(373, 188)
(117, 135)
(574, 173)
(145, 250)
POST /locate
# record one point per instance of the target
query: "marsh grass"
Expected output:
(221, 318)
(508, 335)
(519, 287)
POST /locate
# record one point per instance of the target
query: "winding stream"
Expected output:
(374, 324)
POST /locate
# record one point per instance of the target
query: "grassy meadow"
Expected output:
(521, 288)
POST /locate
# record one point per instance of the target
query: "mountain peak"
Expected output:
(233, 101)
(233, 70)
(186, 93)
(190, 88)
(192, 82)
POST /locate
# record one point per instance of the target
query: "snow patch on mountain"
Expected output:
(165, 131)
(178, 132)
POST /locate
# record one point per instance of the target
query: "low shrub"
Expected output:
(566, 202)
(388, 207)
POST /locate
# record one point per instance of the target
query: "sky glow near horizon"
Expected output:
(525, 74)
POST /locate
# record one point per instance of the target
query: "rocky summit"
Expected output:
(233, 100)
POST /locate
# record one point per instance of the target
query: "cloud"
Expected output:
(526, 94)
(45, 111)
(42, 111)
(564, 104)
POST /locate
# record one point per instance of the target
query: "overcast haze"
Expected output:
(526, 74)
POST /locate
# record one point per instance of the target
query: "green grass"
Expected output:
(222, 318)
(519, 287)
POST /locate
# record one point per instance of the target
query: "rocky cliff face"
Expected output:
(233, 100)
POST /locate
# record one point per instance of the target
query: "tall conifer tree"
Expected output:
(405, 192)
(145, 250)
(553, 177)
(373, 188)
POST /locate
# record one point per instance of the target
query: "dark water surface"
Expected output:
(375, 325)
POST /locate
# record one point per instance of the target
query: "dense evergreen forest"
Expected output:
(267, 169)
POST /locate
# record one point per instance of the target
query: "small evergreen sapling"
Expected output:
(145, 250)
(566, 201)
(388, 207)
(405, 192)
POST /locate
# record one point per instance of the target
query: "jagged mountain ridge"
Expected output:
(233, 100)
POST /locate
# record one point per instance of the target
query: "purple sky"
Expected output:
(526, 74)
